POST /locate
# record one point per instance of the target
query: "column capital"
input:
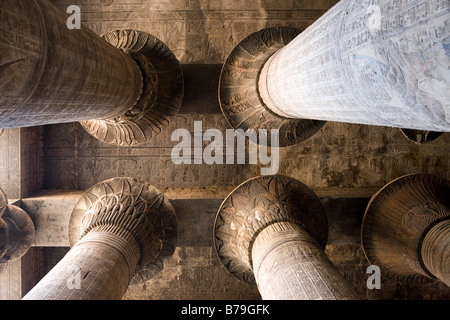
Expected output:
(239, 94)
(435, 251)
(161, 95)
(257, 204)
(16, 232)
(420, 136)
(133, 210)
(397, 219)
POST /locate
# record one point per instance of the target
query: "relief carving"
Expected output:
(420, 136)
(256, 204)
(134, 210)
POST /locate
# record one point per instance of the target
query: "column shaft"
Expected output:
(94, 269)
(50, 74)
(271, 231)
(290, 265)
(373, 62)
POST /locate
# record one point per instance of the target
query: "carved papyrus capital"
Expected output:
(136, 212)
(239, 94)
(257, 204)
(397, 220)
(161, 96)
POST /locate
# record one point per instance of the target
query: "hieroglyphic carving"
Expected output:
(16, 232)
(134, 210)
(341, 69)
(289, 264)
(197, 31)
(161, 95)
(396, 220)
(118, 228)
(131, 101)
(256, 204)
(239, 94)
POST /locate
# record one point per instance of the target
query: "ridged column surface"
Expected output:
(435, 251)
(50, 74)
(290, 265)
(375, 62)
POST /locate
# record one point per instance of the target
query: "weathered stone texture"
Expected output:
(21, 166)
(340, 161)
(11, 282)
(89, 161)
(401, 230)
(23, 274)
(63, 88)
(193, 273)
(290, 265)
(379, 63)
(196, 30)
(351, 262)
(117, 229)
(188, 274)
(272, 231)
(10, 163)
(33, 268)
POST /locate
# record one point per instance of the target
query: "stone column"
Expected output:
(118, 230)
(271, 231)
(406, 229)
(383, 63)
(50, 74)
(16, 232)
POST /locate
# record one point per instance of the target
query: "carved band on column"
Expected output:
(118, 231)
(239, 94)
(16, 232)
(398, 219)
(255, 205)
